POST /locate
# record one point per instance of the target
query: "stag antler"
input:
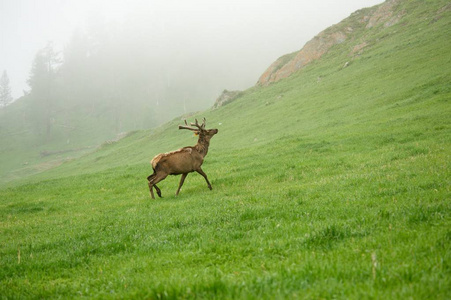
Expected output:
(187, 127)
(196, 124)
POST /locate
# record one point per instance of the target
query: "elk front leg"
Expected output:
(182, 180)
(201, 172)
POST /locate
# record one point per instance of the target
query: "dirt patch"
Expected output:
(48, 153)
(358, 49)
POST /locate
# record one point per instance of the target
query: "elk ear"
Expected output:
(196, 132)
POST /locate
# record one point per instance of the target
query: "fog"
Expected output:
(89, 71)
(234, 40)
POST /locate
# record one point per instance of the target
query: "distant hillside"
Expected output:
(106, 82)
(377, 74)
(396, 50)
(357, 31)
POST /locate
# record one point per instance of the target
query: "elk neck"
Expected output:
(202, 145)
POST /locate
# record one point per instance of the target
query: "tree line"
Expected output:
(5, 90)
(108, 80)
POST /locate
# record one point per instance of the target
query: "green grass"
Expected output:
(22, 145)
(338, 188)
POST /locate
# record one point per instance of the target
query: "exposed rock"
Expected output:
(442, 10)
(358, 49)
(382, 14)
(226, 97)
(270, 73)
(314, 49)
(385, 14)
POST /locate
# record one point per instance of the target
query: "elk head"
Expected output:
(204, 134)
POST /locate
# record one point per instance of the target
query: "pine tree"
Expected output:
(5, 90)
(42, 84)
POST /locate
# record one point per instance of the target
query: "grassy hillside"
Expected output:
(25, 150)
(332, 183)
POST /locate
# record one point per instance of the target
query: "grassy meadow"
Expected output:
(332, 183)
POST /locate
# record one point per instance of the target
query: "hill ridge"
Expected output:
(386, 14)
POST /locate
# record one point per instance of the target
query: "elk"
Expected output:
(182, 161)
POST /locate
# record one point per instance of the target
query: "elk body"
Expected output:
(182, 161)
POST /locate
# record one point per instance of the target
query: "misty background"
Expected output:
(86, 71)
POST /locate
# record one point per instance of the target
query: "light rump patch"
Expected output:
(158, 157)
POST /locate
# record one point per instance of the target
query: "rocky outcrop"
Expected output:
(272, 71)
(385, 14)
(314, 49)
(226, 97)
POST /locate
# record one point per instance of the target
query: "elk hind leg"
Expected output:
(158, 191)
(153, 181)
(149, 179)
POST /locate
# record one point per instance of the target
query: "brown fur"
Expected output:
(182, 161)
(158, 157)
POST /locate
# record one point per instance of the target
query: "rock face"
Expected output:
(385, 14)
(226, 97)
(313, 50)
(337, 34)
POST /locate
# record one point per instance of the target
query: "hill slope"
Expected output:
(332, 182)
(354, 29)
